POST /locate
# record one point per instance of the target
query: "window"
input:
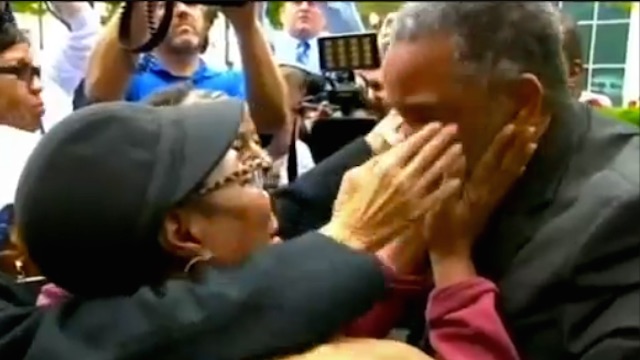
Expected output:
(604, 31)
(608, 81)
(585, 31)
(610, 45)
(579, 10)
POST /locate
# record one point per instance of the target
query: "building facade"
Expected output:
(611, 47)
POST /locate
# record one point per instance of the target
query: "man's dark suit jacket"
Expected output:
(565, 246)
(285, 299)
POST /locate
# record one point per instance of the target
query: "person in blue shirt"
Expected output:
(116, 74)
(302, 23)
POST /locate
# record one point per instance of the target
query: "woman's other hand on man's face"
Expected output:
(383, 198)
(451, 230)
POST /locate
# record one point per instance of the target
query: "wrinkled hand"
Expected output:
(452, 229)
(386, 133)
(387, 195)
(241, 16)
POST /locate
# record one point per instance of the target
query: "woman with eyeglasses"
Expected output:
(21, 106)
(21, 110)
(22, 99)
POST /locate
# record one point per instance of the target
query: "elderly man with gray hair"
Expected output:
(562, 246)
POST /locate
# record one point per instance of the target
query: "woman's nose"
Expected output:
(36, 85)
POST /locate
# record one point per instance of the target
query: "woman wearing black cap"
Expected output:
(135, 195)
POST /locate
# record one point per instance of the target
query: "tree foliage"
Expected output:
(29, 7)
(630, 115)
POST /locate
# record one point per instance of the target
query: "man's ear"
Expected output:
(527, 94)
(179, 237)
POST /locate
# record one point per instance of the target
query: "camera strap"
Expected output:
(156, 34)
(292, 157)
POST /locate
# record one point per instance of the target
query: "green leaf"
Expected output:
(382, 8)
(29, 7)
(630, 115)
(112, 8)
(273, 13)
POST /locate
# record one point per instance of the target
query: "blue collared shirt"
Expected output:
(151, 77)
(341, 16)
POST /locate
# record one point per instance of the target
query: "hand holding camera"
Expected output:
(240, 13)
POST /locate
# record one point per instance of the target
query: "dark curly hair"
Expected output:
(10, 36)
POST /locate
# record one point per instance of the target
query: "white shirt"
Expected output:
(60, 78)
(304, 159)
(15, 148)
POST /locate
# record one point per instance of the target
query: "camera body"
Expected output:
(158, 32)
(340, 57)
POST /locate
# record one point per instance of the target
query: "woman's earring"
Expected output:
(205, 256)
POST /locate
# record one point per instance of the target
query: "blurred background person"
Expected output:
(6, 13)
(302, 23)
(372, 85)
(64, 68)
(372, 79)
(386, 30)
(33, 100)
(374, 21)
(22, 103)
(115, 73)
(21, 110)
(572, 48)
(291, 156)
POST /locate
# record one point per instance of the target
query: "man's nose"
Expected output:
(306, 4)
(180, 9)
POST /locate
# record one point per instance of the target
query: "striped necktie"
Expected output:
(302, 52)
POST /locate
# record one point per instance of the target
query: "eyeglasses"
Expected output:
(251, 173)
(23, 72)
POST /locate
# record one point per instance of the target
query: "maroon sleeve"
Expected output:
(384, 316)
(464, 323)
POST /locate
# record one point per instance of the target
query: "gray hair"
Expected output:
(495, 40)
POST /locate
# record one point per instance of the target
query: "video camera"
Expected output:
(157, 32)
(340, 57)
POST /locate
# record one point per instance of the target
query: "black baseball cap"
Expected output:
(93, 194)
